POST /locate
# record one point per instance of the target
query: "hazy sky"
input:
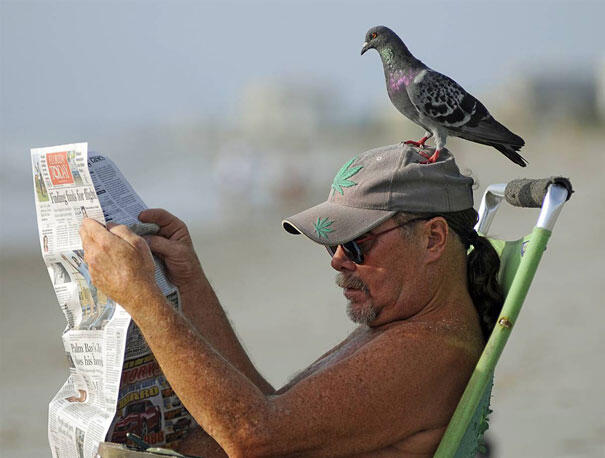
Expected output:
(70, 63)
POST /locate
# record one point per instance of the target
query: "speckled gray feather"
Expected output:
(434, 101)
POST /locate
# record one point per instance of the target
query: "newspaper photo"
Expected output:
(114, 385)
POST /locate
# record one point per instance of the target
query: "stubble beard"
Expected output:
(358, 313)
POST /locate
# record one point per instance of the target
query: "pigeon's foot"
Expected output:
(419, 143)
(431, 159)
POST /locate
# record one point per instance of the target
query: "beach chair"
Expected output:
(519, 261)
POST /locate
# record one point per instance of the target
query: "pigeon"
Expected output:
(436, 102)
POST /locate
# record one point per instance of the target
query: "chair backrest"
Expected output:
(519, 261)
(511, 252)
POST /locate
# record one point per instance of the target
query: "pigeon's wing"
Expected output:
(446, 103)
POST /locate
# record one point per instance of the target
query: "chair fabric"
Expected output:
(472, 441)
(510, 253)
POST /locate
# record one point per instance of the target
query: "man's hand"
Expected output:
(174, 246)
(119, 262)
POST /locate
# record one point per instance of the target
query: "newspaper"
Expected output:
(115, 384)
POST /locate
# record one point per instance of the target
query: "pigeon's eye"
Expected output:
(374, 35)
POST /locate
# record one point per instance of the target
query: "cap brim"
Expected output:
(332, 224)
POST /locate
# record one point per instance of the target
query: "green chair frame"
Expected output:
(519, 262)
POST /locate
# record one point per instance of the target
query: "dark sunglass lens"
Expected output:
(353, 252)
(351, 249)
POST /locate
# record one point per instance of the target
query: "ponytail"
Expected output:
(483, 264)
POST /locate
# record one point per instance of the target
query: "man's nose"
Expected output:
(340, 261)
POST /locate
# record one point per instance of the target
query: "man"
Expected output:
(390, 388)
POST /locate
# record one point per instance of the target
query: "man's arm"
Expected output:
(385, 391)
(201, 307)
(200, 303)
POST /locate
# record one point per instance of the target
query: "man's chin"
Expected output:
(363, 313)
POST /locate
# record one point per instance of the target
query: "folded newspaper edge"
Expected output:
(115, 384)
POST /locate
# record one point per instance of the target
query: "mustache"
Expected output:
(345, 281)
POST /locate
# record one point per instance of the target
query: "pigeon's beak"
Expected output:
(365, 47)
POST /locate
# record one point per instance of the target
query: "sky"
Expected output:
(104, 62)
(73, 70)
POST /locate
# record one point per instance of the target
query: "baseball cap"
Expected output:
(375, 185)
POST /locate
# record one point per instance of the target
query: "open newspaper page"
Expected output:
(115, 384)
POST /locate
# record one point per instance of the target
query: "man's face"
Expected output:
(382, 288)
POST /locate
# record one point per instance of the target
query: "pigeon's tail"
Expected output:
(491, 132)
(510, 151)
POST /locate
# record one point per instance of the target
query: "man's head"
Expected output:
(383, 223)
(393, 272)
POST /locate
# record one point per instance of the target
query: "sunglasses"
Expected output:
(353, 249)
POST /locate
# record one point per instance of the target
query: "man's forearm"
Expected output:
(223, 400)
(202, 307)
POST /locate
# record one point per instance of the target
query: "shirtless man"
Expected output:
(398, 233)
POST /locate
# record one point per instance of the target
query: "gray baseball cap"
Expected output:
(372, 187)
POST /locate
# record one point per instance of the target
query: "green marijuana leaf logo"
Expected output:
(322, 227)
(341, 180)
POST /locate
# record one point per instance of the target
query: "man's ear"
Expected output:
(436, 231)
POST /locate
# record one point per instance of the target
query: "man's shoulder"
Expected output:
(444, 341)
(436, 357)
(447, 330)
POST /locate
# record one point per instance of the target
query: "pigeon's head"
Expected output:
(377, 37)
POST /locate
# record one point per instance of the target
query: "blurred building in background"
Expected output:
(282, 111)
(600, 83)
(560, 98)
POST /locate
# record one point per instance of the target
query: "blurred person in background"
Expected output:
(398, 233)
